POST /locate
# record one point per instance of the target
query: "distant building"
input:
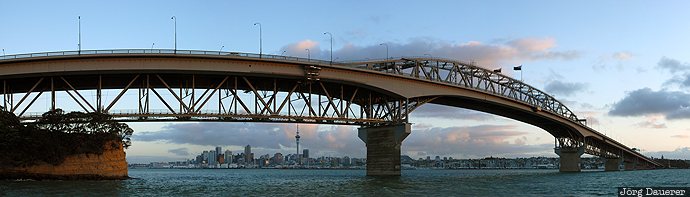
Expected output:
(205, 156)
(278, 158)
(248, 156)
(221, 158)
(219, 151)
(228, 156)
(212, 158)
(305, 153)
(346, 161)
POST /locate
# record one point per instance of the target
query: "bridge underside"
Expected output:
(205, 97)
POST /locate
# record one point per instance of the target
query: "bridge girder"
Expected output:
(193, 97)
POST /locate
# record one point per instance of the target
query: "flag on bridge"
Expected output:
(497, 70)
(517, 67)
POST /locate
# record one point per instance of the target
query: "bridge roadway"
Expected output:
(378, 95)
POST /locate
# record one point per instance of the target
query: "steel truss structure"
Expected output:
(471, 76)
(468, 75)
(219, 98)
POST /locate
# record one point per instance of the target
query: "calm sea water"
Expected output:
(252, 182)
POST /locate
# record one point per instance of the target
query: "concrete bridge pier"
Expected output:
(383, 148)
(631, 164)
(612, 164)
(570, 158)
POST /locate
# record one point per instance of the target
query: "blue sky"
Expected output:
(621, 64)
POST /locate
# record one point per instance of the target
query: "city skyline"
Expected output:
(602, 65)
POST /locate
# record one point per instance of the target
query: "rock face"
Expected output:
(109, 165)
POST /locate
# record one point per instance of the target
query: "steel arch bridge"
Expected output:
(183, 85)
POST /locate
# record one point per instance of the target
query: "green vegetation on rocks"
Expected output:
(55, 136)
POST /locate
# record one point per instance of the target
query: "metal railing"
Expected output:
(162, 51)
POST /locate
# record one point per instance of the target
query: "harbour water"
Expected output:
(277, 182)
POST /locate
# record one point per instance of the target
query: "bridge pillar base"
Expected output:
(612, 164)
(383, 148)
(631, 165)
(570, 158)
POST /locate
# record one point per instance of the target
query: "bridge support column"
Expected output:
(383, 148)
(570, 158)
(631, 164)
(612, 164)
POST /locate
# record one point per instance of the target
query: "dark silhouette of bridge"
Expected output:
(377, 95)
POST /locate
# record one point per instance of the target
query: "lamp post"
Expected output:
(175, 23)
(260, 40)
(152, 45)
(308, 54)
(283, 53)
(79, 42)
(221, 49)
(384, 44)
(329, 33)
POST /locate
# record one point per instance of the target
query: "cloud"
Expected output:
(673, 65)
(616, 60)
(179, 151)
(488, 54)
(652, 124)
(680, 71)
(447, 112)
(148, 159)
(671, 104)
(681, 136)
(266, 138)
(679, 153)
(622, 56)
(564, 88)
(472, 142)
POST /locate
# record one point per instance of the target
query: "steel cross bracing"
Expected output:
(217, 98)
(471, 76)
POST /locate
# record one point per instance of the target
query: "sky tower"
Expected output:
(299, 159)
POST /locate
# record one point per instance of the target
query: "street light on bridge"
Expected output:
(175, 23)
(260, 39)
(329, 33)
(283, 53)
(79, 43)
(308, 54)
(384, 44)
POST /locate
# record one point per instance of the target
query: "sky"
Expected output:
(622, 65)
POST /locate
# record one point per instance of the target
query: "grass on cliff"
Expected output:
(55, 136)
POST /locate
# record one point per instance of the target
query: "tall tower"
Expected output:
(299, 159)
(248, 158)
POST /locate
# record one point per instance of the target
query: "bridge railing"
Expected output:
(162, 51)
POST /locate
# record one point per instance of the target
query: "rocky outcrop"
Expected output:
(109, 165)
